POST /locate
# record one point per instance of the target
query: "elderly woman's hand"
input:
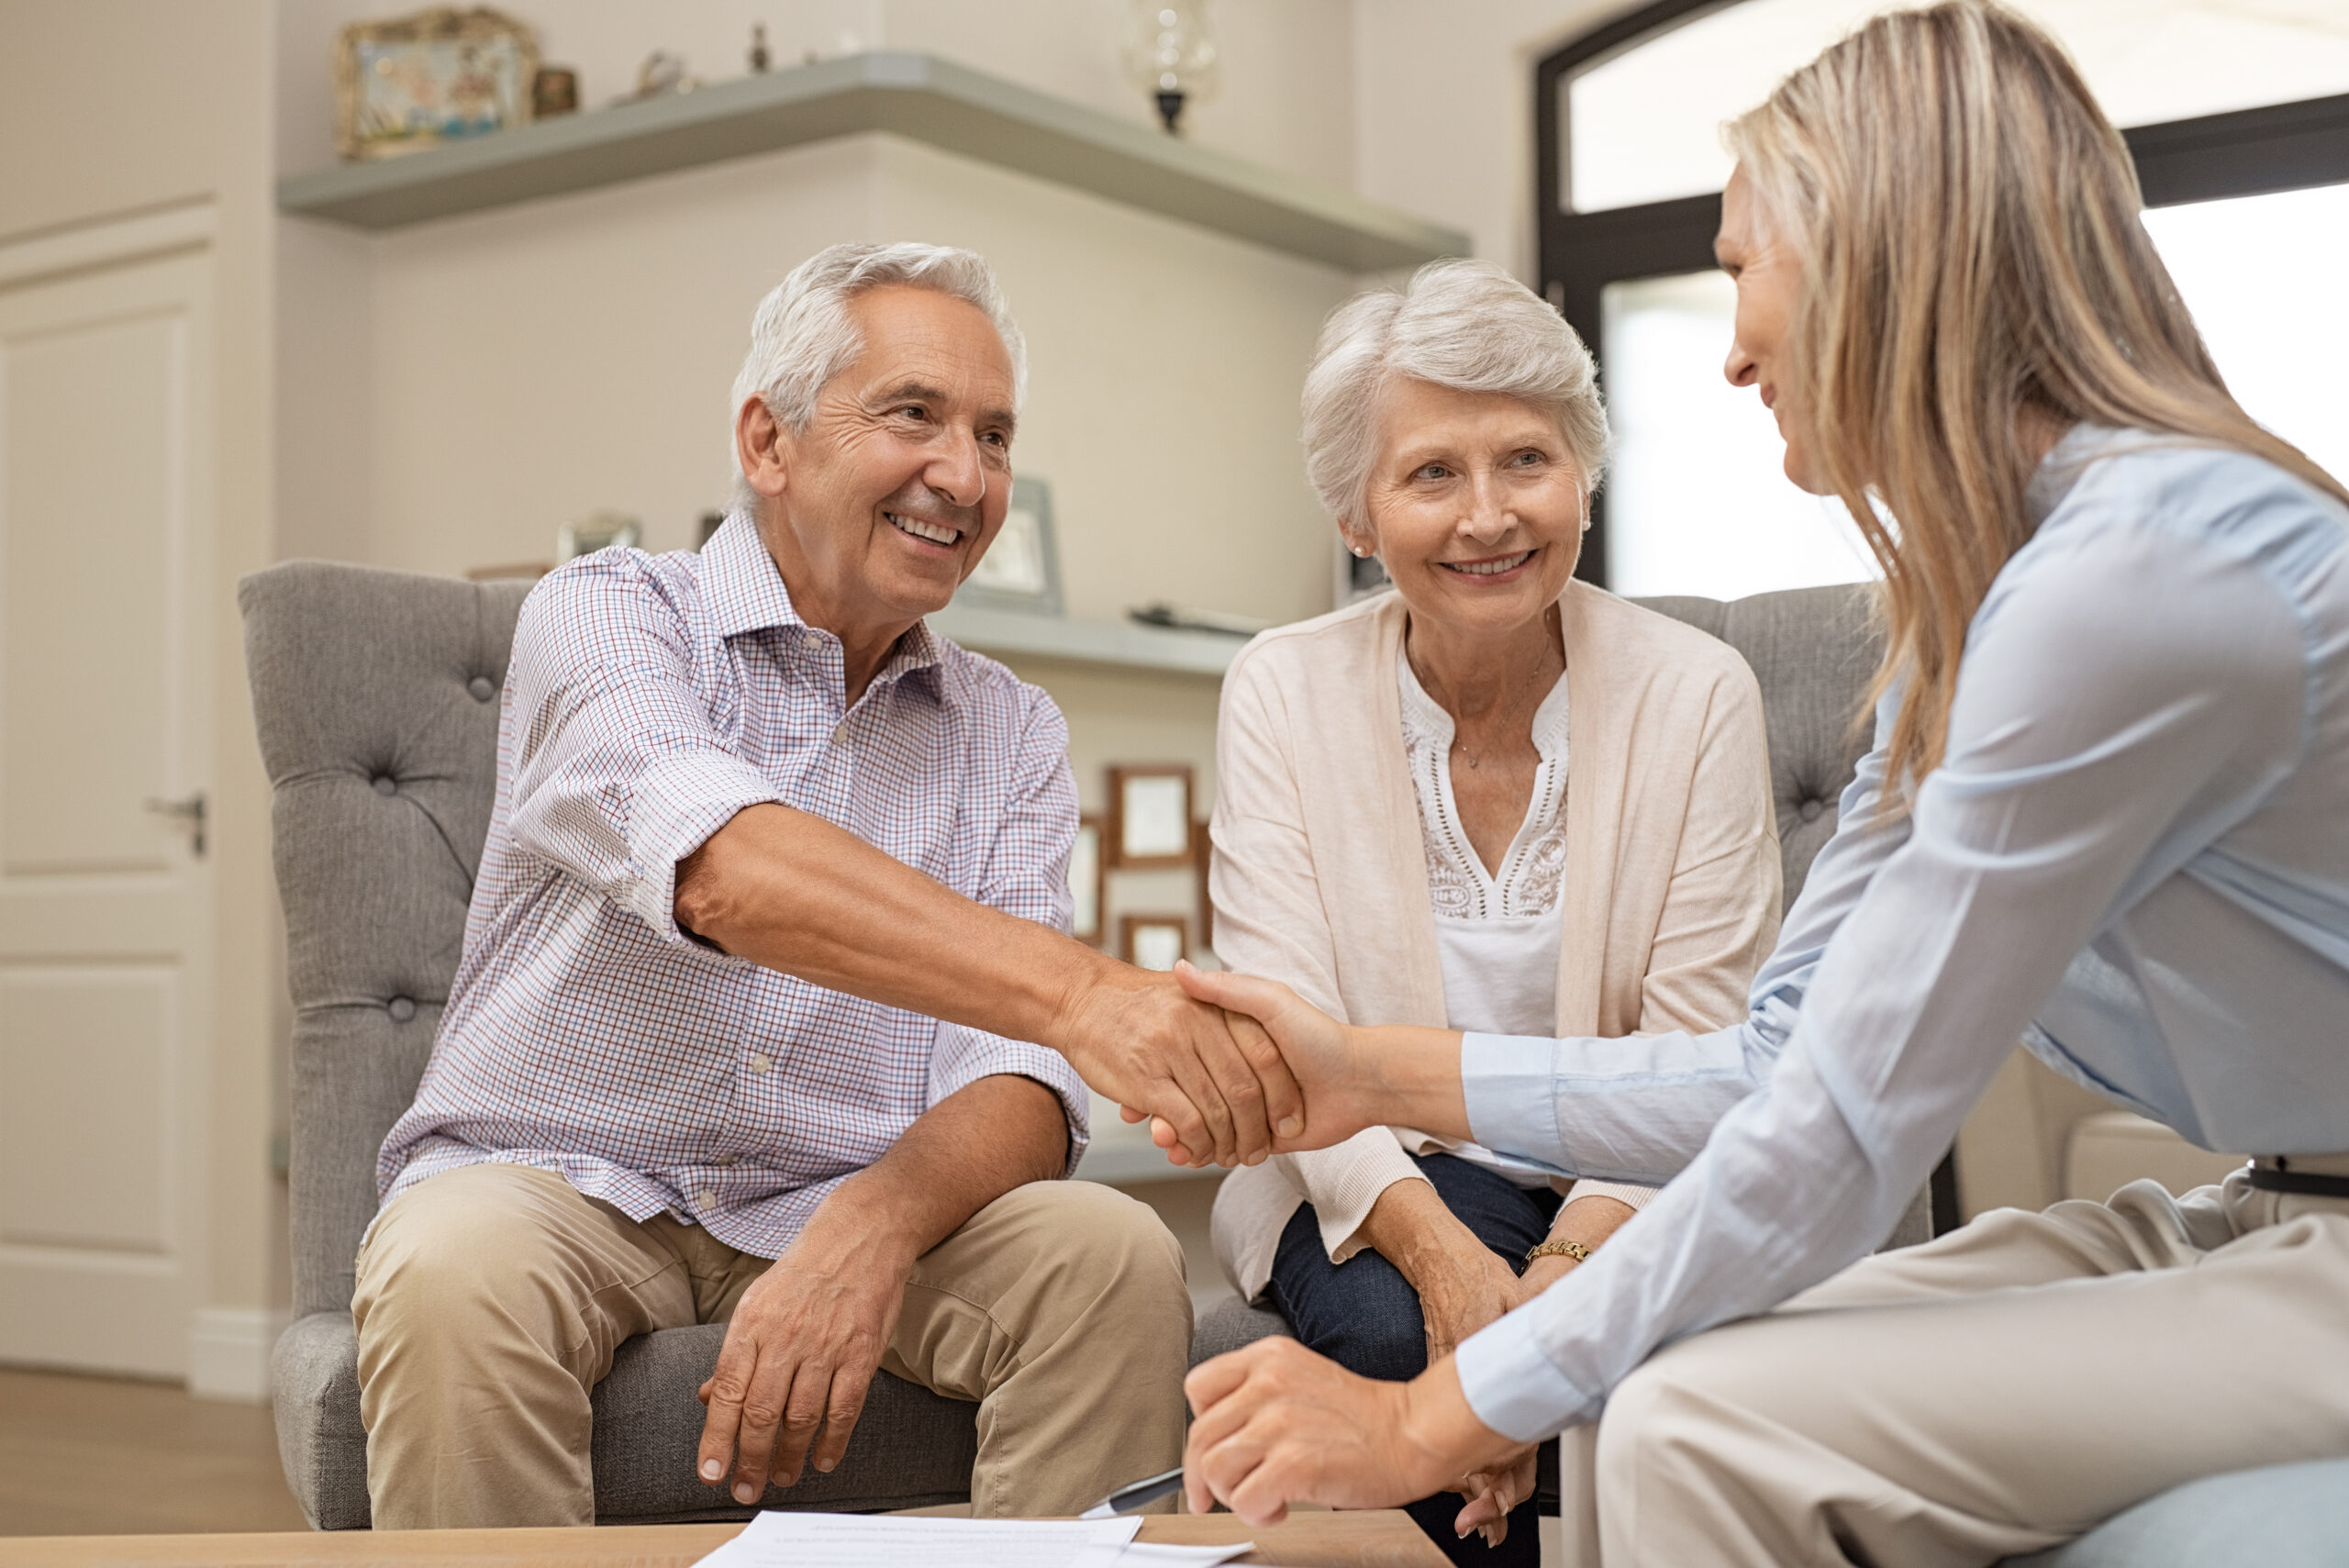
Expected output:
(1276, 1424)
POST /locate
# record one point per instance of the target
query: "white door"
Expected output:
(105, 388)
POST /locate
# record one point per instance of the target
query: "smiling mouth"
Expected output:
(1492, 567)
(929, 532)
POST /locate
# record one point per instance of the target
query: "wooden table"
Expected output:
(1381, 1538)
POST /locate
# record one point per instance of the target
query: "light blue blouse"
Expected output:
(2134, 857)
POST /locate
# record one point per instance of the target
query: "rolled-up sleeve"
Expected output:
(2063, 799)
(618, 771)
(1026, 875)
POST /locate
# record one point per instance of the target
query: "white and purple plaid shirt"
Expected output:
(651, 698)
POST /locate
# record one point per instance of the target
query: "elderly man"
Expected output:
(771, 911)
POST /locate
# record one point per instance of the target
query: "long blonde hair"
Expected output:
(1974, 265)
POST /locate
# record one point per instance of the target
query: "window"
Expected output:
(2238, 146)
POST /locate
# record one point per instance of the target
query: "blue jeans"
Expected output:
(1364, 1315)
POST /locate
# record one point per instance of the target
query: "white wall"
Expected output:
(1444, 110)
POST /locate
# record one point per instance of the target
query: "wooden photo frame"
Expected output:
(1154, 942)
(1202, 856)
(1089, 883)
(438, 77)
(1150, 817)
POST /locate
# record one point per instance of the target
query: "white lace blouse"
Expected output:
(1496, 933)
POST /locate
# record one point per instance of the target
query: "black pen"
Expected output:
(1126, 1499)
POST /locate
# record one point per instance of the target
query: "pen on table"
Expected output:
(1126, 1499)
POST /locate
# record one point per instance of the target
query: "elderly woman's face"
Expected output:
(1476, 505)
(1769, 282)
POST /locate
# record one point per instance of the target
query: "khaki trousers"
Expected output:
(490, 1300)
(1993, 1393)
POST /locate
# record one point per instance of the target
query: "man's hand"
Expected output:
(1218, 1083)
(1278, 1424)
(808, 1335)
(800, 1353)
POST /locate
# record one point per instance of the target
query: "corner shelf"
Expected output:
(1116, 644)
(915, 95)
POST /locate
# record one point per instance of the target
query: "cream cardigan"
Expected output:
(1670, 900)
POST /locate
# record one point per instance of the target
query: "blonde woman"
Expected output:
(1493, 799)
(2105, 814)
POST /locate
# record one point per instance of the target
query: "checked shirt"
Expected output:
(649, 699)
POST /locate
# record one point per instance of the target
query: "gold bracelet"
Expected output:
(1574, 1249)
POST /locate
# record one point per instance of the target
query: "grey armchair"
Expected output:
(374, 693)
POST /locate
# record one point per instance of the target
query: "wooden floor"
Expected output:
(99, 1456)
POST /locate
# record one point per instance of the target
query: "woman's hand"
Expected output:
(1276, 1424)
(1462, 1284)
(1492, 1493)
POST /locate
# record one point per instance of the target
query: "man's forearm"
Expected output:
(795, 893)
(959, 1156)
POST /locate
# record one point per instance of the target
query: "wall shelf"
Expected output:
(914, 96)
(1117, 644)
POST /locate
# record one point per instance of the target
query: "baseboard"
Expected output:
(228, 1352)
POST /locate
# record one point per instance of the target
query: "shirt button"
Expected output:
(726, 1161)
(840, 733)
(759, 1062)
(705, 1199)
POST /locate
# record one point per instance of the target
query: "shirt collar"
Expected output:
(745, 592)
(2061, 469)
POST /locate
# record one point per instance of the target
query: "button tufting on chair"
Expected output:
(385, 784)
(401, 1008)
(482, 687)
(1810, 810)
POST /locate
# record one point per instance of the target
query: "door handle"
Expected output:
(189, 811)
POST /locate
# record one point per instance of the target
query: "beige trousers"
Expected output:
(490, 1300)
(1995, 1392)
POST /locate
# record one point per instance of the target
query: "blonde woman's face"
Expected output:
(1769, 282)
(1474, 506)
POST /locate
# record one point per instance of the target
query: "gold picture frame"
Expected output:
(411, 83)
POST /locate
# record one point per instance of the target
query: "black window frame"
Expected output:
(2277, 146)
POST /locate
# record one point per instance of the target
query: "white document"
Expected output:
(870, 1540)
(777, 1540)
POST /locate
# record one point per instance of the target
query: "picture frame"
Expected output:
(438, 75)
(1088, 882)
(1021, 569)
(1202, 857)
(1149, 817)
(1154, 942)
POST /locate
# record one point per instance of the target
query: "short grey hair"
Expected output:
(802, 335)
(1462, 324)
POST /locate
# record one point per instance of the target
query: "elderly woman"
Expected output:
(1496, 799)
(2104, 815)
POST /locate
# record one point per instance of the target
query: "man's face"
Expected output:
(882, 506)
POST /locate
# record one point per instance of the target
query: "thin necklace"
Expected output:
(1476, 759)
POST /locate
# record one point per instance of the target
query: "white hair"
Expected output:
(1461, 324)
(803, 334)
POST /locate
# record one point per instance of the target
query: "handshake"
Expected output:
(1229, 1069)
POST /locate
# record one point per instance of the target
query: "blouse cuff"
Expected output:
(1512, 1385)
(1343, 1183)
(1510, 1086)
